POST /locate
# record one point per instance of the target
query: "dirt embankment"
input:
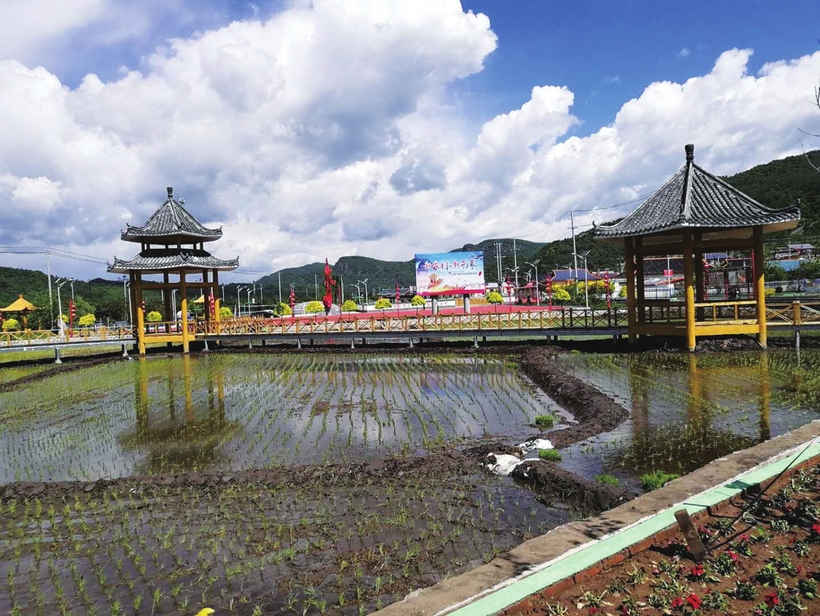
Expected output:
(594, 412)
(438, 464)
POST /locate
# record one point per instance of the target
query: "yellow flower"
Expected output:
(205, 611)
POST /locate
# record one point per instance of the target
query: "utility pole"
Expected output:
(280, 286)
(574, 252)
(50, 297)
(515, 263)
(498, 262)
(315, 286)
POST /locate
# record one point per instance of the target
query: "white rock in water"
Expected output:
(536, 443)
(502, 463)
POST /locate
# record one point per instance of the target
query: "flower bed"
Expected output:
(764, 559)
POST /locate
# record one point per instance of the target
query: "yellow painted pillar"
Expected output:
(760, 286)
(184, 305)
(140, 330)
(630, 288)
(689, 289)
(217, 316)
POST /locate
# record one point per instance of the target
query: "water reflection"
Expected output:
(170, 443)
(705, 432)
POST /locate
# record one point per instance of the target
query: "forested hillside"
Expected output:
(784, 182)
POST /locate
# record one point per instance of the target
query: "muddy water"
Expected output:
(235, 412)
(689, 409)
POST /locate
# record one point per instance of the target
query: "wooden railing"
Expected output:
(46, 337)
(468, 323)
(794, 314)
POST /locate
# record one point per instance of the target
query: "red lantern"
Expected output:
(72, 312)
(292, 298)
(212, 305)
(398, 294)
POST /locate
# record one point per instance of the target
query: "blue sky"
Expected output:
(321, 128)
(608, 51)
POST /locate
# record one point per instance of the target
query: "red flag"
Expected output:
(327, 299)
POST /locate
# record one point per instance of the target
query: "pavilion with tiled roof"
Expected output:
(172, 244)
(694, 213)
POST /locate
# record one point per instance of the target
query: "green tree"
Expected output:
(282, 310)
(773, 271)
(383, 303)
(11, 325)
(153, 317)
(807, 269)
(349, 306)
(225, 312)
(494, 297)
(87, 320)
(560, 294)
(313, 307)
(417, 301)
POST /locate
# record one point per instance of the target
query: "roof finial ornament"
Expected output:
(170, 190)
(690, 152)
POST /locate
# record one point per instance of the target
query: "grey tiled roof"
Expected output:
(173, 222)
(694, 198)
(171, 259)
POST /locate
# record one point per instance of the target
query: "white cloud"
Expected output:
(684, 52)
(327, 130)
(26, 24)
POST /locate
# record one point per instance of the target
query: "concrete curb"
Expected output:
(574, 552)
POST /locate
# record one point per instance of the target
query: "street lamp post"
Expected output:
(583, 255)
(364, 282)
(358, 289)
(239, 300)
(60, 282)
(72, 290)
(174, 303)
(249, 300)
(534, 264)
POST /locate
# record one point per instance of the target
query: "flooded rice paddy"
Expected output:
(689, 409)
(347, 541)
(366, 522)
(237, 412)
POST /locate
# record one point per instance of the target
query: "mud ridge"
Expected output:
(595, 412)
(438, 464)
(562, 485)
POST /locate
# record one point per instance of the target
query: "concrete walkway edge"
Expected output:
(515, 589)
(573, 552)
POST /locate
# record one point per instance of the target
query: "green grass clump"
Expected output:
(545, 421)
(549, 454)
(609, 480)
(656, 479)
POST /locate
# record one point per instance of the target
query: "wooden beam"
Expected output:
(630, 288)
(760, 286)
(640, 291)
(674, 248)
